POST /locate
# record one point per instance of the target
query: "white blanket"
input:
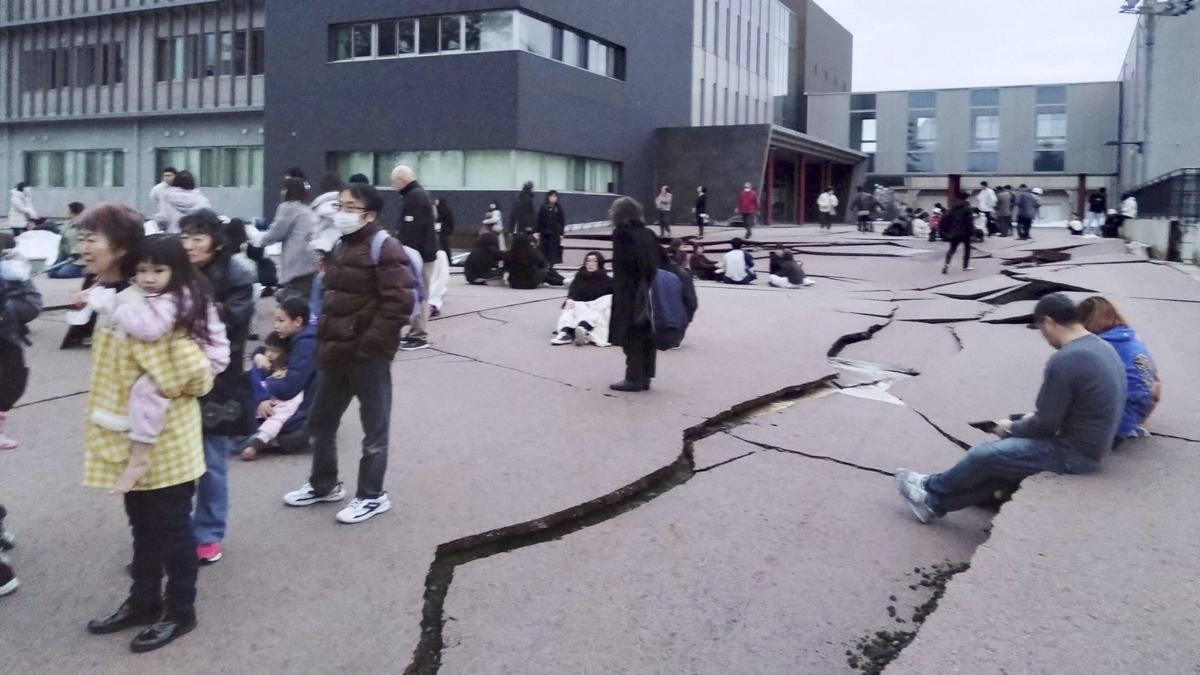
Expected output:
(596, 313)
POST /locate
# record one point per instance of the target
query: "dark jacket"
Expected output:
(690, 301)
(226, 409)
(526, 266)
(416, 227)
(551, 224)
(589, 286)
(364, 305)
(524, 215)
(702, 204)
(300, 378)
(1097, 202)
(446, 218)
(701, 266)
(787, 268)
(484, 259)
(959, 222)
(635, 261)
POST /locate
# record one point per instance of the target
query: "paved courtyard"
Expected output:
(738, 518)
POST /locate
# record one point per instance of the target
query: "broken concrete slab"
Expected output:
(974, 289)
(944, 310)
(907, 344)
(1145, 281)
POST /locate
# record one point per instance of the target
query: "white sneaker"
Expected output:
(364, 509)
(808, 282)
(561, 339)
(306, 497)
(912, 489)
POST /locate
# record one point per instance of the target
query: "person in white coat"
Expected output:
(177, 201)
(827, 204)
(325, 233)
(20, 209)
(986, 201)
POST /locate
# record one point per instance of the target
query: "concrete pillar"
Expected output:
(769, 184)
(1081, 197)
(801, 190)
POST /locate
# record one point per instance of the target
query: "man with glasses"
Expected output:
(1078, 411)
(368, 297)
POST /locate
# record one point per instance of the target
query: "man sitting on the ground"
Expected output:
(1078, 411)
(737, 267)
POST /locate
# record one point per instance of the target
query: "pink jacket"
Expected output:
(149, 322)
(748, 202)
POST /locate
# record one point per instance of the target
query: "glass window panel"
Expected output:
(922, 132)
(980, 162)
(920, 162)
(118, 169)
(194, 57)
(406, 37)
(56, 171)
(243, 167)
(985, 97)
(556, 172)
(256, 167)
(529, 168)
(922, 99)
(496, 30)
(868, 129)
(600, 176)
(536, 36)
(258, 46)
(557, 51)
(206, 173)
(986, 133)
(1051, 95)
(229, 167)
(1049, 160)
(472, 27)
(489, 169)
(91, 169)
(451, 38)
(868, 146)
(227, 49)
(210, 54)
(361, 48)
(239, 51)
(386, 35)
(441, 169)
(571, 49)
(428, 35)
(597, 57)
(178, 58)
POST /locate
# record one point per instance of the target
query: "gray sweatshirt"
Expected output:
(1081, 400)
(293, 227)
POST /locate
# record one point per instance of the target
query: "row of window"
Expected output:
(83, 66)
(746, 44)
(479, 32)
(227, 166)
(75, 168)
(483, 169)
(194, 57)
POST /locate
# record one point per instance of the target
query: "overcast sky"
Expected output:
(927, 44)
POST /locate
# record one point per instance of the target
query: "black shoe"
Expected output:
(127, 616)
(8, 579)
(646, 385)
(626, 385)
(163, 633)
(945, 269)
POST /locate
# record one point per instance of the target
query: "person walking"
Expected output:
(551, 225)
(958, 226)
(417, 230)
(368, 297)
(293, 228)
(663, 204)
(748, 208)
(1028, 205)
(1004, 210)
(863, 205)
(225, 410)
(986, 201)
(524, 214)
(636, 256)
(827, 204)
(20, 208)
(701, 209)
(1097, 208)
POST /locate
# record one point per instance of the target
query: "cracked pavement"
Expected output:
(740, 517)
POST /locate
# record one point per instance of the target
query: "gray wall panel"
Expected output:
(1092, 120)
(829, 118)
(1017, 129)
(954, 130)
(891, 109)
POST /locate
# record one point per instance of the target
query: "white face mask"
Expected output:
(347, 223)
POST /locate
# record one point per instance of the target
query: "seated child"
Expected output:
(282, 377)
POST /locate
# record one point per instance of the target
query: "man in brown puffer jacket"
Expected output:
(368, 297)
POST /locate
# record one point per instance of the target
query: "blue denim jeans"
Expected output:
(66, 271)
(370, 381)
(997, 464)
(212, 492)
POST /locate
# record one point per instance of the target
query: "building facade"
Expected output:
(925, 143)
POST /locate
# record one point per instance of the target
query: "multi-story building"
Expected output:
(99, 95)
(478, 95)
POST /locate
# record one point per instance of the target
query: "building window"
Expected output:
(484, 169)
(227, 166)
(863, 129)
(75, 168)
(982, 162)
(1051, 127)
(922, 131)
(205, 55)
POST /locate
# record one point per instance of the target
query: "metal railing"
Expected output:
(1173, 195)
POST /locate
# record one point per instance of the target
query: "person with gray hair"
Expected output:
(1078, 412)
(417, 229)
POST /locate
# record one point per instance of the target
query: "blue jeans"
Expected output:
(212, 492)
(998, 464)
(66, 271)
(370, 381)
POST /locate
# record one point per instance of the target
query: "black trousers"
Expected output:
(161, 521)
(664, 222)
(700, 223)
(640, 356)
(826, 221)
(864, 224)
(1023, 226)
(954, 244)
(748, 223)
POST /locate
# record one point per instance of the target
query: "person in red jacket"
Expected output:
(748, 207)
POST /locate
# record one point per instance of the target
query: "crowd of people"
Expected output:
(169, 304)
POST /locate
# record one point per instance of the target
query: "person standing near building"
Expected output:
(636, 255)
(863, 206)
(20, 208)
(1097, 207)
(178, 200)
(748, 208)
(1004, 209)
(524, 214)
(957, 227)
(168, 179)
(986, 199)
(417, 230)
(1028, 205)
(293, 228)
(827, 204)
(551, 225)
(367, 300)
(701, 209)
(1129, 206)
(663, 204)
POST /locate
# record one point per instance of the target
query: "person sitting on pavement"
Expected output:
(786, 272)
(1079, 410)
(67, 266)
(588, 307)
(524, 264)
(699, 265)
(1143, 388)
(687, 297)
(483, 262)
(283, 383)
(738, 266)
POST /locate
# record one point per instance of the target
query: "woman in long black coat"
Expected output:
(524, 213)
(551, 224)
(636, 255)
